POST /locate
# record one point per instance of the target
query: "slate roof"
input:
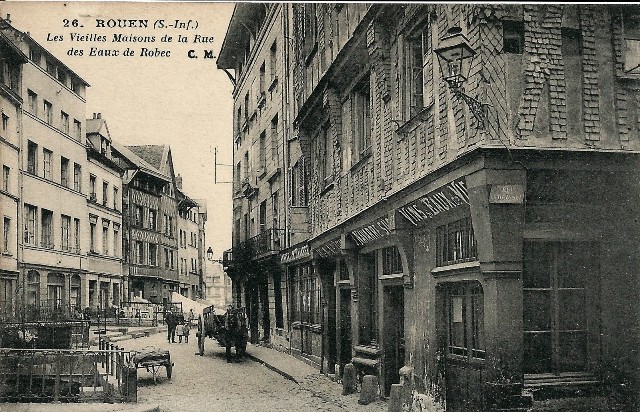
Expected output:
(152, 154)
(139, 162)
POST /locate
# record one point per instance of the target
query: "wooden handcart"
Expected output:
(152, 359)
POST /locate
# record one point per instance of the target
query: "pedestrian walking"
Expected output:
(183, 331)
(191, 317)
(179, 332)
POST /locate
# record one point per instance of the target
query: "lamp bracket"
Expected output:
(477, 108)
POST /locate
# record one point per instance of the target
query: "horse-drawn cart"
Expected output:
(229, 329)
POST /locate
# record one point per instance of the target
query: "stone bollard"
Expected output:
(130, 384)
(395, 398)
(369, 392)
(349, 383)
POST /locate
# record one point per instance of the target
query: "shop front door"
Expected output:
(393, 335)
(345, 326)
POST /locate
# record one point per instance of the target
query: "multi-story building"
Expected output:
(463, 160)
(11, 111)
(189, 270)
(218, 290)
(53, 196)
(472, 192)
(150, 220)
(255, 47)
(103, 265)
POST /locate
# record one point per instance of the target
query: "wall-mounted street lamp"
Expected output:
(210, 256)
(453, 51)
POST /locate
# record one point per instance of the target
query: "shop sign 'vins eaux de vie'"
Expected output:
(446, 198)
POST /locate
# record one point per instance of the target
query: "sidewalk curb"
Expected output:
(273, 368)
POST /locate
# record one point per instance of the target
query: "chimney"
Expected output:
(179, 181)
(8, 19)
(94, 115)
(99, 116)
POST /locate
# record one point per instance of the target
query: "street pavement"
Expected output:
(266, 380)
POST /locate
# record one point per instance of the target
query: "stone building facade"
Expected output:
(468, 236)
(256, 48)
(473, 250)
(103, 266)
(190, 269)
(53, 239)
(10, 107)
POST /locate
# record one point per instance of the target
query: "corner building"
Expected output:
(487, 255)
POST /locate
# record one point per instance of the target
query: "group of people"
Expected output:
(176, 324)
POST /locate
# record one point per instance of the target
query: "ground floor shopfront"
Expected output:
(492, 278)
(43, 291)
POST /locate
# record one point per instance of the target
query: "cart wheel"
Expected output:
(169, 370)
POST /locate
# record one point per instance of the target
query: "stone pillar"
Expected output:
(349, 379)
(498, 223)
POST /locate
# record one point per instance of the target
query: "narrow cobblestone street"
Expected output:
(209, 383)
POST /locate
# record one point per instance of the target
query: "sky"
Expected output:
(176, 100)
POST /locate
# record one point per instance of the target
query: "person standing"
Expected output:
(171, 321)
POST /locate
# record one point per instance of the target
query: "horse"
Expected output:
(230, 330)
(235, 327)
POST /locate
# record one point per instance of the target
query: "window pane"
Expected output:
(572, 351)
(572, 309)
(574, 263)
(537, 310)
(537, 264)
(537, 352)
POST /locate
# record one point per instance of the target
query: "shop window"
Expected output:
(55, 290)
(465, 316)
(277, 292)
(33, 288)
(368, 299)
(513, 37)
(558, 305)
(344, 270)
(455, 243)
(391, 261)
(75, 291)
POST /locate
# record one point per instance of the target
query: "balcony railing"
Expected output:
(268, 242)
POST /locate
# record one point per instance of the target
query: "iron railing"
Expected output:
(36, 375)
(268, 241)
(45, 310)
